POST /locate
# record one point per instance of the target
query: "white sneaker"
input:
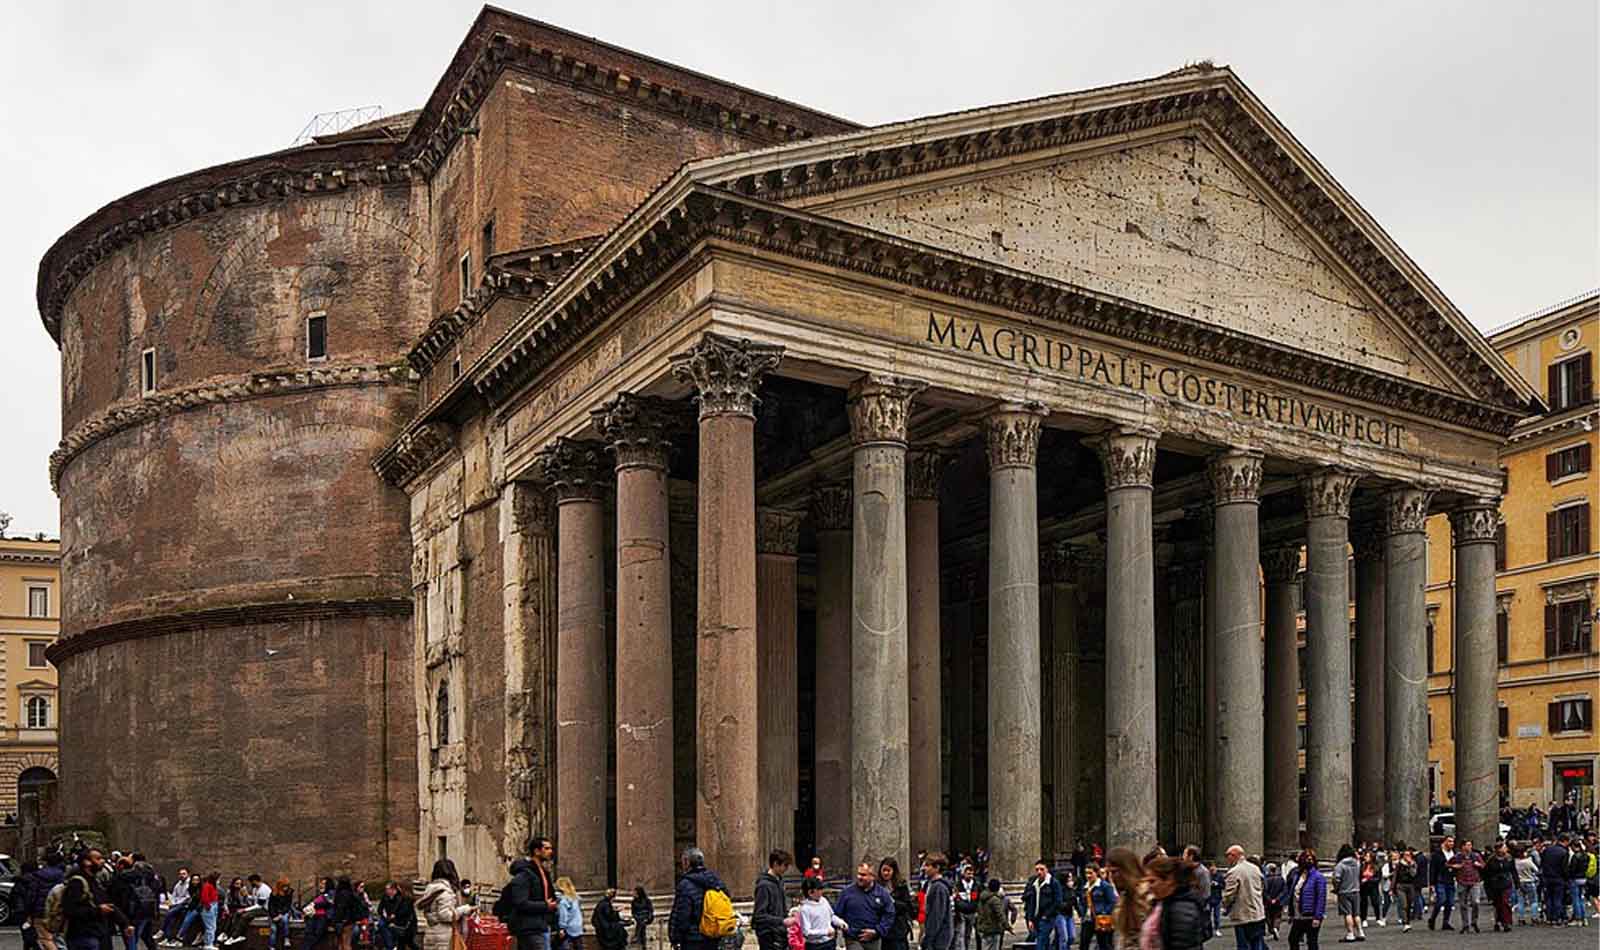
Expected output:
(1382, 922)
(1405, 929)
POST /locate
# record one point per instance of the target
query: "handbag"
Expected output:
(457, 940)
(1102, 923)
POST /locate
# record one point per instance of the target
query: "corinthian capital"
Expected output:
(1128, 457)
(1327, 492)
(1476, 521)
(925, 471)
(831, 507)
(1011, 435)
(1235, 477)
(576, 469)
(1406, 509)
(725, 373)
(639, 429)
(879, 407)
(1280, 565)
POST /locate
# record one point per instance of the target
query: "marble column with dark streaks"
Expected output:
(1280, 569)
(831, 517)
(1236, 487)
(726, 374)
(924, 474)
(1473, 527)
(1128, 459)
(1405, 622)
(880, 819)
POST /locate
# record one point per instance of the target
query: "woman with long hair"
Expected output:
(643, 913)
(280, 907)
(905, 906)
(569, 914)
(441, 905)
(1099, 908)
(1176, 907)
(1127, 875)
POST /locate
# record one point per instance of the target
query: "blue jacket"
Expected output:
(569, 916)
(688, 903)
(871, 909)
(1313, 901)
(1102, 898)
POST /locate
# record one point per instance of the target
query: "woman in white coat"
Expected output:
(440, 906)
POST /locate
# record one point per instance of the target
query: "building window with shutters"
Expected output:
(1430, 639)
(1567, 531)
(1500, 547)
(1568, 628)
(1569, 462)
(1571, 382)
(1505, 722)
(1502, 637)
(38, 712)
(1572, 715)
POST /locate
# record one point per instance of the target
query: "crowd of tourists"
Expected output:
(1092, 899)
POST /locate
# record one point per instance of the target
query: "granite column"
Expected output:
(830, 512)
(1015, 819)
(638, 429)
(1473, 526)
(1405, 622)
(1280, 566)
(1128, 457)
(1236, 487)
(725, 374)
(578, 472)
(1371, 785)
(1059, 569)
(778, 676)
(924, 471)
(1327, 595)
(879, 406)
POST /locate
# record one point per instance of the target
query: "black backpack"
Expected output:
(1577, 864)
(146, 902)
(1185, 923)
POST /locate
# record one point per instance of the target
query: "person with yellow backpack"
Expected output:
(702, 911)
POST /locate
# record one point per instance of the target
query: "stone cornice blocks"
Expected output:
(416, 450)
(639, 429)
(575, 469)
(925, 471)
(1476, 522)
(1280, 565)
(1327, 492)
(831, 507)
(726, 373)
(1235, 477)
(1406, 509)
(778, 531)
(1127, 457)
(1011, 435)
(880, 406)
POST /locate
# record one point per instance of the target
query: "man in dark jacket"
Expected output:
(1041, 908)
(767, 916)
(44, 879)
(938, 911)
(689, 902)
(528, 901)
(867, 909)
(87, 911)
(1443, 879)
(1553, 879)
(134, 891)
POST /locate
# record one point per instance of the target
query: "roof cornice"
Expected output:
(598, 288)
(1546, 319)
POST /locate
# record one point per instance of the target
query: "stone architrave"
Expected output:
(1405, 686)
(1128, 458)
(1327, 596)
(1239, 806)
(639, 431)
(1015, 818)
(1474, 526)
(777, 634)
(924, 473)
(726, 374)
(1280, 568)
(830, 512)
(879, 406)
(1366, 543)
(578, 472)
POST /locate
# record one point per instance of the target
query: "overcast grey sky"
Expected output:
(1469, 130)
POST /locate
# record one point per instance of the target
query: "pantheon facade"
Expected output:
(768, 481)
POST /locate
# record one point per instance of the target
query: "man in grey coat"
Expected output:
(939, 925)
(1243, 900)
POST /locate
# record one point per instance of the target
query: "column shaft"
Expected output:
(1281, 769)
(1210, 772)
(832, 784)
(1328, 759)
(1370, 708)
(1015, 814)
(575, 469)
(1477, 749)
(923, 650)
(725, 374)
(777, 575)
(1236, 483)
(879, 699)
(1062, 600)
(527, 527)
(1128, 458)
(963, 836)
(1405, 621)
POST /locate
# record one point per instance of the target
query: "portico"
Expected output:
(995, 426)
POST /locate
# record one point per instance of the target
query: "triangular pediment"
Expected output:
(1169, 224)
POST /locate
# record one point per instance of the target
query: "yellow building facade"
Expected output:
(1547, 573)
(30, 617)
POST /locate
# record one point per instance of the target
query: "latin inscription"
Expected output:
(1108, 368)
